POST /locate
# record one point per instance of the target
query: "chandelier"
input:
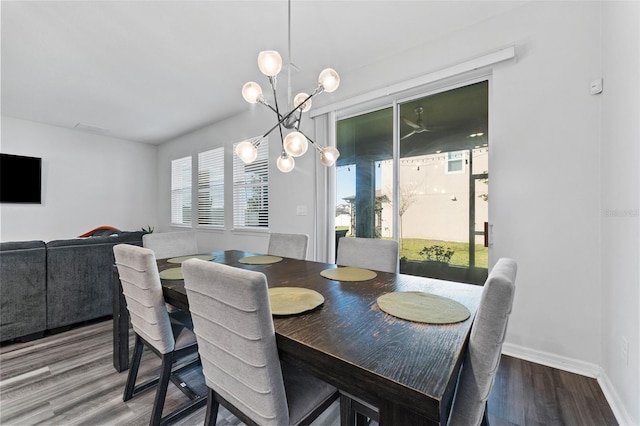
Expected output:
(295, 143)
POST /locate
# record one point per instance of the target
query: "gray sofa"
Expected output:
(57, 284)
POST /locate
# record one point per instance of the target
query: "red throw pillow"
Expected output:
(99, 228)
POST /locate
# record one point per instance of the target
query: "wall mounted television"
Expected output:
(20, 179)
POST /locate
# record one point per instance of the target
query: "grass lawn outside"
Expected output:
(410, 248)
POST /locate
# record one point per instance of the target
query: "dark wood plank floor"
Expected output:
(68, 379)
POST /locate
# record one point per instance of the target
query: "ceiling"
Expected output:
(150, 71)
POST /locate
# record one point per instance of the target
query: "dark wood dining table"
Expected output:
(407, 369)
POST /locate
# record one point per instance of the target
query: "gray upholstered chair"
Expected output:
(154, 328)
(288, 245)
(368, 253)
(171, 244)
(485, 346)
(237, 344)
(481, 361)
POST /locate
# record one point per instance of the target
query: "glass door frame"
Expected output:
(394, 101)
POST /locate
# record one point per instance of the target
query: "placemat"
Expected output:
(172, 274)
(423, 307)
(293, 300)
(192, 256)
(348, 273)
(260, 260)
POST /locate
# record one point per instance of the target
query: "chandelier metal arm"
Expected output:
(272, 83)
(316, 145)
(290, 113)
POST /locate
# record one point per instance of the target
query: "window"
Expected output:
(211, 187)
(181, 191)
(455, 162)
(251, 190)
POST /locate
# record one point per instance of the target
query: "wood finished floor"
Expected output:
(68, 379)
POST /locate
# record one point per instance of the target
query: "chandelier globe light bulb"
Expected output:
(251, 92)
(269, 62)
(329, 155)
(298, 102)
(285, 163)
(247, 152)
(329, 79)
(295, 144)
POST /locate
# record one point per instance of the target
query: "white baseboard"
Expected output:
(622, 415)
(578, 367)
(552, 360)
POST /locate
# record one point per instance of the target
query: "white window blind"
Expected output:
(251, 190)
(211, 187)
(181, 191)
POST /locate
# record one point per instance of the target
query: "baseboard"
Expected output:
(552, 360)
(578, 367)
(622, 415)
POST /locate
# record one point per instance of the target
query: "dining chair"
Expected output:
(288, 245)
(171, 340)
(481, 360)
(368, 253)
(485, 346)
(171, 244)
(237, 344)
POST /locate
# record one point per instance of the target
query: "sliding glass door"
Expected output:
(431, 192)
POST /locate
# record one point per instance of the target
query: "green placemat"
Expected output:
(348, 273)
(192, 256)
(260, 260)
(423, 307)
(293, 300)
(172, 274)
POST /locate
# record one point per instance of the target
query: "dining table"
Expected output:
(407, 369)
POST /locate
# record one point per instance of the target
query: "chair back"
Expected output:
(143, 292)
(171, 244)
(368, 253)
(485, 345)
(236, 338)
(288, 245)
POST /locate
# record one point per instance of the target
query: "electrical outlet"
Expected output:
(624, 352)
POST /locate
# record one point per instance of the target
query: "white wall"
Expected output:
(545, 208)
(620, 217)
(88, 181)
(287, 191)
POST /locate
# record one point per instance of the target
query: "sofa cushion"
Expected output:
(22, 288)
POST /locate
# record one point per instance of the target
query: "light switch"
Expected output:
(301, 210)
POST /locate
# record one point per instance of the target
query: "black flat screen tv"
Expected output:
(20, 179)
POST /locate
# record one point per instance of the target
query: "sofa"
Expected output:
(46, 286)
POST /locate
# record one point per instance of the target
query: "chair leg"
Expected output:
(133, 370)
(212, 409)
(161, 393)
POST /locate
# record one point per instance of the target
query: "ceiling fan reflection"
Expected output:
(417, 126)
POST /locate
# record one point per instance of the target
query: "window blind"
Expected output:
(211, 187)
(251, 190)
(181, 191)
